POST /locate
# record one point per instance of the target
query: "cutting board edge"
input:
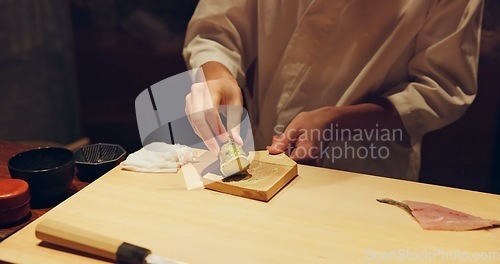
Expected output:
(284, 181)
(240, 192)
(255, 194)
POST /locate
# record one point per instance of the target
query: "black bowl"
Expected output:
(48, 171)
(94, 160)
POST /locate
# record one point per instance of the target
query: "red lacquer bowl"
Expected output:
(14, 201)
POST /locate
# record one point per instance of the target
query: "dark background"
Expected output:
(72, 69)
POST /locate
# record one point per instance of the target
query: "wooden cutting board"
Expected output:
(265, 177)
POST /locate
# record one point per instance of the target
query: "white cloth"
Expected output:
(159, 157)
(420, 55)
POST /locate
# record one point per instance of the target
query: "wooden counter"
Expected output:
(322, 216)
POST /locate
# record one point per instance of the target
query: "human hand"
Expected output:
(202, 109)
(302, 137)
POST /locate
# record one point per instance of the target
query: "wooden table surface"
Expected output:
(322, 216)
(7, 150)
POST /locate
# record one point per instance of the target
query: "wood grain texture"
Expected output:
(322, 216)
(266, 175)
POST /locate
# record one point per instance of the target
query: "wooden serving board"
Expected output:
(265, 177)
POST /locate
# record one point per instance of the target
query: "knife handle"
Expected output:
(69, 236)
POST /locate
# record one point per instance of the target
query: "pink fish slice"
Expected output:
(436, 217)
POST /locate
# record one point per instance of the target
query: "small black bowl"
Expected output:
(49, 172)
(94, 160)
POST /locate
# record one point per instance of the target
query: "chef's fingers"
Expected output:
(233, 114)
(235, 134)
(217, 126)
(187, 110)
(202, 117)
(209, 102)
(213, 119)
(277, 146)
(204, 131)
(280, 144)
(305, 151)
(285, 140)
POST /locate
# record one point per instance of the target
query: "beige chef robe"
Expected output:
(419, 54)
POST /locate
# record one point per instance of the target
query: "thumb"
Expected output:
(279, 145)
(233, 114)
(285, 140)
(235, 134)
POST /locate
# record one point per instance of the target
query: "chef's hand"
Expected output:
(302, 138)
(219, 93)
